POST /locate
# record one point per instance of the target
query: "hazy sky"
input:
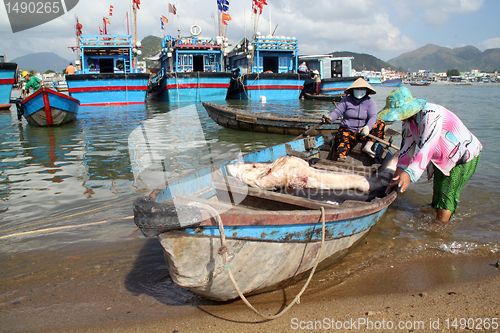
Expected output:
(384, 29)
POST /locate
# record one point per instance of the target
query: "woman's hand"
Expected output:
(401, 179)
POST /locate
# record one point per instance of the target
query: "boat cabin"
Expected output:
(265, 54)
(106, 54)
(328, 66)
(191, 54)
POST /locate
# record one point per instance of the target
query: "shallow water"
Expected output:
(69, 190)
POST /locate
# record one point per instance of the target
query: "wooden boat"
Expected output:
(264, 122)
(48, 107)
(335, 73)
(7, 80)
(107, 75)
(191, 70)
(273, 238)
(61, 86)
(265, 68)
(323, 97)
(422, 83)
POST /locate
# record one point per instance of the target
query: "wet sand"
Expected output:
(127, 289)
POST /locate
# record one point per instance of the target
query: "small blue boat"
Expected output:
(107, 75)
(273, 237)
(265, 68)
(335, 73)
(191, 70)
(7, 80)
(47, 107)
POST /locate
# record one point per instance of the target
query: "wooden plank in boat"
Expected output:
(280, 197)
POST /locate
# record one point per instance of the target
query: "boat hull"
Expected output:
(7, 80)
(191, 86)
(278, 263)
(108, 89)
(47, 107)
(331, 86)
(259, 122)
(272, 86)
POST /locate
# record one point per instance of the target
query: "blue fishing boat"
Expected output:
(265, 68)
(335, 73)
(47, 107)
(7, 80)
(392, 83)
(107, 75)
(269, 238)
(191, 69)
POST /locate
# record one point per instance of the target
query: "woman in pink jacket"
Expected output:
(431, 133)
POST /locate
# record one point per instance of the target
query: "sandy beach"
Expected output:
(136, 295)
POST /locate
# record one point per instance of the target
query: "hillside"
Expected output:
(363, 61)
(440, 59)
(42, 62)
(151, 45)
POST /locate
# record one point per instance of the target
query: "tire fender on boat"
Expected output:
(20, 109)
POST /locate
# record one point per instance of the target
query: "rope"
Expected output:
(224, 249)
(60, 218)
(63, 227)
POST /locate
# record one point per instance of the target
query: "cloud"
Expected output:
(365, 26)
(491, 43)
(435, 12)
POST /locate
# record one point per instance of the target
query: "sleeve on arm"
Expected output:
(429, 129)
(371, 114)
(339, 110)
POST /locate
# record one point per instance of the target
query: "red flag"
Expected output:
(137, 3)
(106, 20)
(111, 10)
(164, 19)
(226, 17)
(172, 9)
(100, 31)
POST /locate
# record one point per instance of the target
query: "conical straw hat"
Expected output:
(360, 83)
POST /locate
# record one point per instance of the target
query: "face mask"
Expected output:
(359, 93)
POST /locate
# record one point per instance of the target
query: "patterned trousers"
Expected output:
(345, 138)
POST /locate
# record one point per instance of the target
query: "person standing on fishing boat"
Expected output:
(317, 81)
(432, 134)
(303, 67)
(31, 82)
(359, 119)
(70, 69)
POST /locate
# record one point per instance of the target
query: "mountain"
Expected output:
(151, 45)
(42, 62)
(441, 59)
(363, 61)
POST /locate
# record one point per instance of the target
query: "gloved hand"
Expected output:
(327, 119)
(364, 131)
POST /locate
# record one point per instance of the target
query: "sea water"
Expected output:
(70, 189)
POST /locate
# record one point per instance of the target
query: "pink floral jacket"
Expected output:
(437, 136)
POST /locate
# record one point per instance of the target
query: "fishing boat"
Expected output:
(392, 83)
(335, 73)
(265, 68)
(107, 75)
(191, 69)
(269, 238)
(7, 79)
(324, 97)
(47, 107)
(60, 86)
(265, 122)
(420, 83)
(375, 81)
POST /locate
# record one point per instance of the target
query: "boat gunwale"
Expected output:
(51, 91)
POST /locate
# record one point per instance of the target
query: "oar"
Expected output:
(386, 143)
(306, 133)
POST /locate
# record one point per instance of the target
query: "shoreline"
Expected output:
(119, 296)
